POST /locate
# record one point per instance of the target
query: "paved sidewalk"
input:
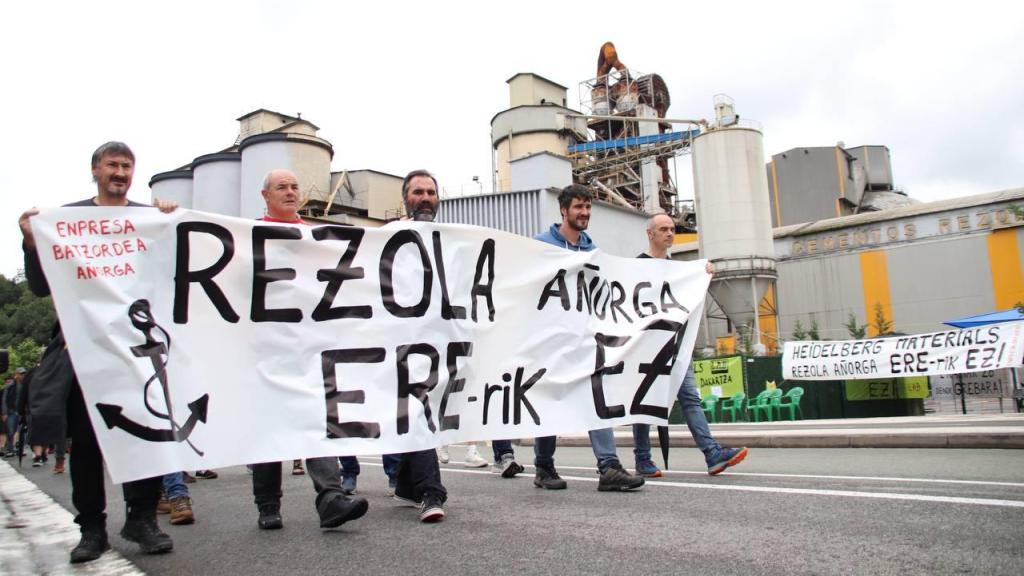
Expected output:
(945, 431)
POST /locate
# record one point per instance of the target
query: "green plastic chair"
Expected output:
(791, 403)
(733, 405)
(766, 405)
(757, 404)
(708, 403)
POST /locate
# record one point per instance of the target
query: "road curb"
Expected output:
(825, 439)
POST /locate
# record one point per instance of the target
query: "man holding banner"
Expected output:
(58, 393)
(282, 196)
(660, 236)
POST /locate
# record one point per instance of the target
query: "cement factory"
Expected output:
(814, 236)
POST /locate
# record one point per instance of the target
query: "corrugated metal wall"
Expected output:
(515, 212)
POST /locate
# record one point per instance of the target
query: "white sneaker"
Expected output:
(442, 455)
(473, 459)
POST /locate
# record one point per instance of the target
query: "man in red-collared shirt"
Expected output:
(283, 198)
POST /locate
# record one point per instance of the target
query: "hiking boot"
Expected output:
(92, 545)
(335, 509)
(181, 510)
(206, 474)
(719, 460)
(647, 469)
(508, 467)
(297, 469)
(58, 466)
(547, 477)
(163, 506)
(270, 516)
(348, 485)
(432, 509)
(442, 455)
(473, 459)
(616, 479)
(143, 530)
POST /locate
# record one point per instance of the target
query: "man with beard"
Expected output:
(59, 406)
(660, 235)
(335, 507)
(574, 202)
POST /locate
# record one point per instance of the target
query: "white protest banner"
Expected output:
(987, 384)
(949, 352)
(204, 341)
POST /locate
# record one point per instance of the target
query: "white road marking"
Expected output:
(37, 534)
(808, 491)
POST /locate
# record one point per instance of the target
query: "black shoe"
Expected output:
(432, 509)
(92, 545)
(206, 474)
(144, 531)
(270, 516)
(548, 478)
(337, 508)
(37, 461)
(616, 479)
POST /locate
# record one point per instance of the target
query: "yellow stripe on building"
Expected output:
(874, 273)
(775, 189)
(1007, 276)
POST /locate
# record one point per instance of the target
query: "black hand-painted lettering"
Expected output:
(552, 290)
(329, 360)
(520, 389)
(262, 277)
(387, 262)
(485, 290)
(418, 390)
(617, 301)
(334, 277)
(597, 378)
(448, 311)
(639, 307)
(455, 351)
(662, 365)
(183, 277)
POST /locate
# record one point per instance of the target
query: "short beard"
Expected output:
(576, 227)
(421, 214)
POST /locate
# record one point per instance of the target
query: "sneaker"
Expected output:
(392, 482)
(58, 466)
(92, 545)
(473, 459)
(181, 511)
(37, 461)
(616, 479)
(145, 532)
(270, 516)
(163, 506)
(297, 469)
(432, 509)
(548, 478)
(647, 469)
(348, 485)
(442, 455)
(336, 509)
(725, 458)
(206, 474)
(508, 467)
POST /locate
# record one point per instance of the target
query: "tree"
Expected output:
(23, 314)
(856, 331)
(25, 355)
(812, 334)
(881, 324)
(798, 331)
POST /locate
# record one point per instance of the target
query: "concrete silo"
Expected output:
(308, 156)
(731, 192)
(216, 182)
(175, 185)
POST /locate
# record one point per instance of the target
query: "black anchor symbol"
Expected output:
(157, 351)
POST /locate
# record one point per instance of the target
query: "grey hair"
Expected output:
(650, 221)
(112, 148)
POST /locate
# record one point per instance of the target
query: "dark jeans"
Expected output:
(391, 462)
(266, 478)
(419, 474)
(349, 466)
(87, 487)
(502, 447)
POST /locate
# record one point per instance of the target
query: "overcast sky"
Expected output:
(398, 86)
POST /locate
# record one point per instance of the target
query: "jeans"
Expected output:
(12, 429)
(391, 462)
(266, 479)
(601, 441)
(174, 485)
(502, 447)
(693, 413)
(349, 466)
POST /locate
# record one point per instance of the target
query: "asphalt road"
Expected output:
(782, 511)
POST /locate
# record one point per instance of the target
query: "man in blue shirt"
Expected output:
(574, 202)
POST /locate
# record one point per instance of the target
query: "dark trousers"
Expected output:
(419, 474)
(266, 478)
(88, 493)
(502, 447)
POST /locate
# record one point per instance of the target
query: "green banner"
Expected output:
(886, 388)
(722, 377)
